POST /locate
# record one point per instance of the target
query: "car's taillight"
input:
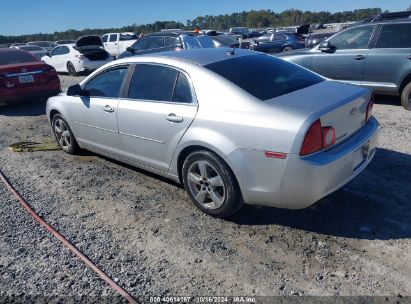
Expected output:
(317, 138)
(369, 110)
(48, 69)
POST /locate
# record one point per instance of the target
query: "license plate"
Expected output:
(26, 78)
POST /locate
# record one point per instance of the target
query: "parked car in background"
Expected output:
(232, 127)
(168, 41)
(255, 34)
(240, 31)
(87, 54)
(17, 44)
(23, 76)
(116, 43)
(59, 42)
(35, 50)
(277, 42)
(376, 55)
(47, 45)
(229, 41)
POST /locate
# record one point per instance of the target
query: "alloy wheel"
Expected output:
(206, 184)
(63, 135)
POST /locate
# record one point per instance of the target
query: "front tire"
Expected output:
(210, 184)
(64, 135)
(287, 49)
(71, 69)
(406, 97)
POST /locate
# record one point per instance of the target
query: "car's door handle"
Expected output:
(359, 57)
(108, 109)
(173, 118)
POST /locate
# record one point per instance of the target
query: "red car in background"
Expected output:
(23, 76)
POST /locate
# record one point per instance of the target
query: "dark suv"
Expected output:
(376, 55)
(167, 41)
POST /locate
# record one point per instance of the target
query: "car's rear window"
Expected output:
(265, 76)
(15, 57)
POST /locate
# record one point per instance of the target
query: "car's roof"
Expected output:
(172, 33)
(203, 56)
(399, 20)
(10, 50)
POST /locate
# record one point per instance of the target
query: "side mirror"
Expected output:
(326, 47)
(76, 90)
(130, 49)
(48, 54)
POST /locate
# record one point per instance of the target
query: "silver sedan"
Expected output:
(233, 126)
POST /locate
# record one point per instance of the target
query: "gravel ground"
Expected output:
(143, 230)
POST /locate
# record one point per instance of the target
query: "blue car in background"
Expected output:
(278, 42)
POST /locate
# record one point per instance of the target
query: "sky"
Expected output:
(46, 16)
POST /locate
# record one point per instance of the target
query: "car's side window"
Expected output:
(104, 38)
(156, 42)
(355, 38)
(153, 82)
(170, 41)
(140, 44)
(278, 37)
(113, 38)
(395, 36)
(107, 83)
(182, 90)
(64, 50)
(56, 51)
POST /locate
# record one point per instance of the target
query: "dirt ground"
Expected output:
(145, 233)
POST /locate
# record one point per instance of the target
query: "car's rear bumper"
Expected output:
(38, 91)
(91, 65)
(298, 182)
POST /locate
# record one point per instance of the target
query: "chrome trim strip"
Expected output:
(145, 138)
(22, 74)
(370, 83)
(94, 127)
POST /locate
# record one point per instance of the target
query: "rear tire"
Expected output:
(64, 136)
(210, 184)
(406, 97)
(71, 69)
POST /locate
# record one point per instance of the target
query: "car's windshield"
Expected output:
(15, 57)
(264, 76)
(196, 42)
(226, 39)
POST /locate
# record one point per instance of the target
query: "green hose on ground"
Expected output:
(29, 146)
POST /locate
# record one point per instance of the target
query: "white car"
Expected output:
(116, 43)
(87, 54)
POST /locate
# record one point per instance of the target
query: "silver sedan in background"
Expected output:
(233, 126)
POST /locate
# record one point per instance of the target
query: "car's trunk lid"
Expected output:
(24, 74)
(89, 41)
(92, 48)
(338, 105)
